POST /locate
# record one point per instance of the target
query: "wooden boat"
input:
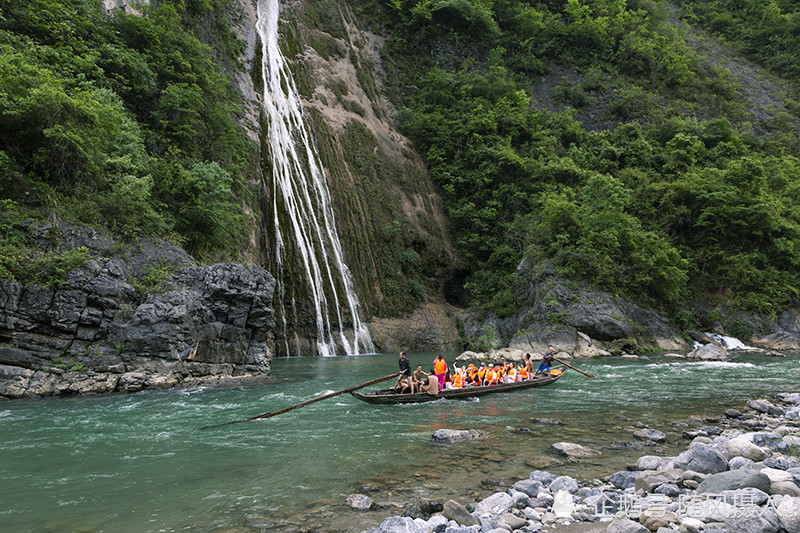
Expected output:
(390, 396)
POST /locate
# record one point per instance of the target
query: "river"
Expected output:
(139, 463)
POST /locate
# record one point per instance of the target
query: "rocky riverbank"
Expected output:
(739, 474)
(133, 318)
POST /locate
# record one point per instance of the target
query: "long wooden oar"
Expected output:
(307, 402)
(573, 368)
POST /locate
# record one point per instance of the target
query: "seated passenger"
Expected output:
(512, 375)
(430, 385)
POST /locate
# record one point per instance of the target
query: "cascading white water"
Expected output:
(304, 221)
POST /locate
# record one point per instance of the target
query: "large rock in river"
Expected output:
(449, 436)
(571, 449)
(709, 352)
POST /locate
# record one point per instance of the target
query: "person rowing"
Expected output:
(404, 379)
(547, 360)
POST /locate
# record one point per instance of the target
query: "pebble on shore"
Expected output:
(743, 478)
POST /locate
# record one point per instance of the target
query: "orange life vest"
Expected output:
(523, 372)
(439, 366)
(481, 373)
(512, 374)
(458, 381)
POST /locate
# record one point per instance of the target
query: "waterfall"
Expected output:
(306, 251)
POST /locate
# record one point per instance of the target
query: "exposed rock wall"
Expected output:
(581, 322)
(96, 333)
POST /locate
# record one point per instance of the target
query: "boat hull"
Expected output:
(388, 396)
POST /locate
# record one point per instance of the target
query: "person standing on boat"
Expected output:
(547, 360)
(528, 366)
(440, 369)
(404, 379)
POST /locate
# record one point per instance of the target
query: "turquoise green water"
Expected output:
(136, 463)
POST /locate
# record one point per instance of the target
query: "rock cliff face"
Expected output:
(386, 206)
(132, 319)
(581, 322)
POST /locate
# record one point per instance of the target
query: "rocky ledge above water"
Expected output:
(143, 317)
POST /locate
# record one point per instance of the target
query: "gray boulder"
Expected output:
(438, 523)
(403, 524)
(649, 480)
(691, 525)
(544, 477)
(668, 489)
(701, 458)
(496, 504)
(788, 444)
(651, 435)
(573, 450)
(563, 483)
(766, 522)
(449, 436)
(789, 397)
(360, 502)
(789, 514)
(462, 529)
(626, 525)
(765, 406)
(650, 462)
(528, 486)
(781, 482)
(623, 479)
(781, 462)
(740, 462)
(749, 494)
(492, 523)
(733, 480)
(453, 510)
(513, 521)
(709, 352)
(743, 447)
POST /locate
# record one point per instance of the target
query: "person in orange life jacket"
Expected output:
(482, 373)
(404, 379)
(440, 369)
(547, 359)
(524, 375)
(491, 376)
(512, 375)
(472, 375)
(459, 379)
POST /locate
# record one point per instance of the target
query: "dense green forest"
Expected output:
(642, 172)
(120, 121)
(594, 135)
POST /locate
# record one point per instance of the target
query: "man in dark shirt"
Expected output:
(547, 360)
(404, 379)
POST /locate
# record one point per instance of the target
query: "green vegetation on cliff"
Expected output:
(592, 134)
(125, 121)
